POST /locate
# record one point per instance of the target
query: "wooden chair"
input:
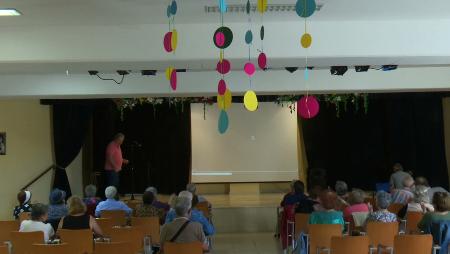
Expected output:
(129, 234)
(4, 249)
(413, 244)
(350, 244)
(119, 217)
(395, 208)
(52, 249)
(204, 208)
(183, 248)
(22, 241)
(412, 219)
(81, 241)
(24, 216)
(301, 223)
(149, 226)
(133, 204)
(320, 236)
(6, 227)
(106, 225)
(112, 248)
(381, 235)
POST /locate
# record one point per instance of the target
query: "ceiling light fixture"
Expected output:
(8, 12)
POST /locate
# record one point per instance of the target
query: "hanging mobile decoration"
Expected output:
(250, 98)
(170, 42)
(222, 39)
(262, 58)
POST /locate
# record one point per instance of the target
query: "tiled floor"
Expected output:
(248, 243)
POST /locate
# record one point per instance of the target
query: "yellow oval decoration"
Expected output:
(169, 71)
(174, 41)
(251, 101)
(262, 6)
(224, 101)
(221, 56)
(306, 40)
(221, 102)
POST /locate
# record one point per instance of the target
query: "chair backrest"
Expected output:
(350, 244)
(183, 248)
(52, 249)
(413, 244)
(149, 226)
(22, 241)
(112, 248)
(4, 249)
(133, 204)
(80, 240)
(382, 233)
(119, 217)
(106, 224)
(204, 208)
(395, 208)
(24, 216)
(301, 223)
(321, 234)
(129, 234)
(412, 219)
(6, 227)
(441, 234)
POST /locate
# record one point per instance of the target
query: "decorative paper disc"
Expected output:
(306, 73)
(169, 71)
(306, 40)
(222, 6)
(249, 69)
(222, 87)
(308, 107)
(168, 41)
(223, 37)
(173, 80)
(224, 101)
(305, 8)
(262, 6)
(248, 7)
(221, 56)
(173, 7)
(169, 11)
(223, 67)
(174, 40)
(251, 101)
(248, 37)
(262, 61)
(223, 122)
(261, 33)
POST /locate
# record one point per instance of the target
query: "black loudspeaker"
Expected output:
(362, 68)
(338, 70)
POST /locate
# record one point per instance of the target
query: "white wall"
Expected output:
(258, 147)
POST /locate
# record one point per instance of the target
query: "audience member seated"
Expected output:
(78, 218)
(24, 198)
(192, 188)
(420, 180)
(57, 208)
(39, 214)
(147, 209)
(298, 198)
(111, 203)
(182, 229)
(383, 200)
(329, 215)
(341, 189)
(90, 199)
(398, 177)
(156, 202)
(420, 202)
(441, 202)
(196, 215)
(357, 206)
(404, 195)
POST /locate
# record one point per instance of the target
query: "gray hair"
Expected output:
(186, 194)
(152, 190)
(408, 181)
(182, 206)
(90, 191)
(110, 192)
(191, 188)
(341, 188)
(383, 199)
(421, 194)
(38, 211)
(357, 196)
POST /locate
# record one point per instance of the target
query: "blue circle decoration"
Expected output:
(173, 7)
(169, 10)
(222, 6)
(223, 122)
(305, 8)
(248, 37)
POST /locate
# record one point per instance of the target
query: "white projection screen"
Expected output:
(259, 146)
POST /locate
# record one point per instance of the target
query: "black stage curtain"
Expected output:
(70, 125)
(361, 148)
(157, 142)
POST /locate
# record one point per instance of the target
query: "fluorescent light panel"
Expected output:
(7, 12)
(212, 174)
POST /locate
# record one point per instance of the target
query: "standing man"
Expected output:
(398, 177)
(114, 160)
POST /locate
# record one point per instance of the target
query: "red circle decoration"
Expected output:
(220, 39)
(222, 87)
(262, 61)
(308, 107)
(249, 69)
(168, 42)
(223, 67)
(173, 80)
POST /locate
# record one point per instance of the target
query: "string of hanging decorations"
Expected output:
(170, 42)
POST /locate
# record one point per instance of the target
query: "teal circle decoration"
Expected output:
(248, 37)
(261, 33)
(305, 8)
(173, 7)
(223, 122)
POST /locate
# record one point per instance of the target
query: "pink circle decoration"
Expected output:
(168, 42)
(222, 87)
(173, 80)
(249, 69)
(220, 39)
(262, 61)
(223, 67)
(308, 107)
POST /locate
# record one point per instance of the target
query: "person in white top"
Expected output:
(39, 214)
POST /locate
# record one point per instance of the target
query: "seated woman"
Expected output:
(146, 209)
(383, 200)
(298, 198)
(24, 198)
(357, 206)
(111, 203)
(90, 199)
(420, 202)
(78, 218)
(341, 189)
(39, 215)
(329, 215)
(57, 208)
(441, 203)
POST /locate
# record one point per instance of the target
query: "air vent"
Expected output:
(238, 8)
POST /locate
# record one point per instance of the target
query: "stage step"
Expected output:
(245, 219)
